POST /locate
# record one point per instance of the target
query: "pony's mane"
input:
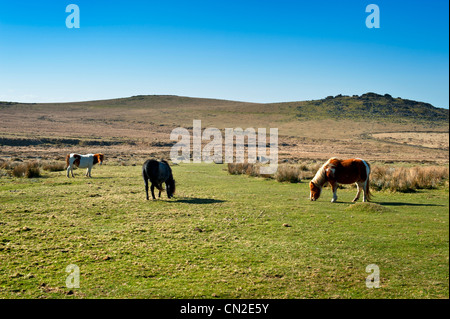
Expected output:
(321, 176)
(165, 162)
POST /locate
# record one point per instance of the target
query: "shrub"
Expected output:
(240, 168)
(292, 173)
(19, 170)
(28, 170)
(54, 166)
(288, 173)
(246, 169)
(5, 164)
(384, 177)
(237, 168)
(408, 179)
(32, 170)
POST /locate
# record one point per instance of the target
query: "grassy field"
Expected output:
(222, 236)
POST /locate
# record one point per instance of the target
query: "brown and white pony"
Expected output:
(83, 161)
(336, 171)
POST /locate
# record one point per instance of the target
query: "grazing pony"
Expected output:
(158, 173)
(336, 171)
(83, 161)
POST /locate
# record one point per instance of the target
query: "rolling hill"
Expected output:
(376, 126)
(367, 106)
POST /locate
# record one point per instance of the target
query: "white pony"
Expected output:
(83, 161)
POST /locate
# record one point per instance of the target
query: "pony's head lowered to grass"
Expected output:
(170, 187)
(314, 191)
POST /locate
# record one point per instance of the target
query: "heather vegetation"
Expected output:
(372, 106)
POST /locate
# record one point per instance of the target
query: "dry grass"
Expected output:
(289, 173)
(28, 170)
(142, 126)
(31, 169)
(54, 166)
(423, 139)
(292, 173)
(407, 179)
(383, 177)
(243, 169)
(4, 165)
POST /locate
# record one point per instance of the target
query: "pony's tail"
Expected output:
(144, 171)
(173, 186)
(367, 190)
(368, 193)
(67, 160)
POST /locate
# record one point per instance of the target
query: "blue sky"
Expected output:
(258, 51)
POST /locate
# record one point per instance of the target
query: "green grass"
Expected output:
(222, 236)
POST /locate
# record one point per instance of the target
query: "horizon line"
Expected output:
(214, 98)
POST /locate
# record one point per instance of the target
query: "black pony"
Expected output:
(158, 173)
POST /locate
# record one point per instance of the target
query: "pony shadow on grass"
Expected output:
(198, 201)
(406, 204)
